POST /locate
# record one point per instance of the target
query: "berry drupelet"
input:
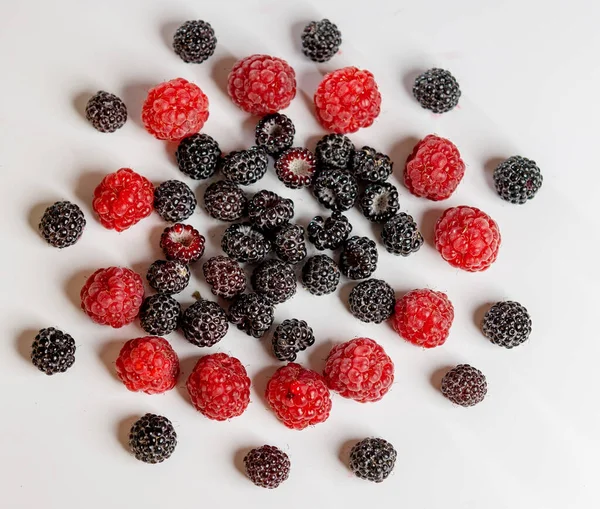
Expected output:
(464, 385)
(62, 224)
(194, 41)
(275, 133)
(400, 235)
(53, 351)
(379, 202)
(507, 324)
(225, 277)
(204, 323)
(321, 40)
(517, 179)
(329, 233)
(289, 243)
(244, 243)
(371, 166)
(359, 258)
(290, 337)
(275, 280)
(106, 112)
(437, 90)
(252, 313)
(168, 277)
(225, 201)
(174, 201)
(182, 242)
(335, 189)
(373, 459)
(296, 167)
(267, 466)
(152, 438)
(268, 211)
(198, 156)
(320, 275)
(245, 167)
(334, 151)
(372, 301)
(160, 314)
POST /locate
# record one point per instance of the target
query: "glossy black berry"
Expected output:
(373, 459)
(334, 151)
(198, 156)
(225, 201)
(464, 385)
(152, 438)
(289, 243)
(106, 112)
(174, 201)
(329, 233)
(335, 189)
(321, 40)
(62, 224)
(517, 179)
(379, 202)
(437, 90)
(53, 351)
(359, 258)
(372, 301)
(168, 276)
(320, 275)
(507, 324)
(290, 337)
(400, 235)
(268, 211)
(244, 243)
(204, 323)
(159, 314)
(252, 313)
(194, 41)
(371, 166)
(275, 280)
(275, 133)
(225, 277)
(245, 167)
(267, 466)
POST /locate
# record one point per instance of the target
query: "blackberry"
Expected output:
(174, 201)
(275, 133)
(372, 301)
(267, 466)
(334, 151)
(379, 202)
(464, 385)
(252, 313)
(152, 438)
(245, 167)
(507, 324)
(371, 166)
(335, 189)
(62, 224)
(274, 280)
(194, 41)
(359, 258)
(289, 243)
(373, 459)
(400, 235)
(204, 323)
(291, 337)
(329, 233)
(168, 277)
(106, 112)
(321, 40)
(268, 211)
(225, 201)
(517, 179)
(296, 167)
(53, 351)
(437, 90)
(198, 156)
(159, 314)
(244, 243)
(320, 275)
(225, 277)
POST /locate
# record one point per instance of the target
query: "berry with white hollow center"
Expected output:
(182, 242)
(296, 167)
(379, 202)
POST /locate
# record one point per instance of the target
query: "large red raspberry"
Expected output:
(113, 296)
(360, 370)
(182, 242)
(175, 109)
(467, 238)
(148, 364)
(261, 84)
(219, 387)
(424, 317)
(347, 99)
(298, 396)
(122, 199)
(434, 169)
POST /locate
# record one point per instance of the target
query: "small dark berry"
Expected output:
(204, 323)
(321, 40)
(159, 314)
(53, 351)
(517, 179)
(437, 90)
(244, 243)
(106, 112)
(335, 189)
(267, 466)
(291, 337)
(252, 313)
(507, 324)
(225, 277)
(274, 280)
(268, 211)
(289, 243)
(329, 233)
(275, 133)
(245, 167)
(359, 258)
(198, 156)
(296, 168)
(371, 166)
(174, 201)
(373, 459)
(320, 275)
(372, 301)
(464, 385)
(152, 438)
(400, 235)
(194, 41)
(379, 202)
(334, 151)
(168, 277)
(225, 201)
(62, 224)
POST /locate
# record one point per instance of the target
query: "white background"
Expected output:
(530, 81)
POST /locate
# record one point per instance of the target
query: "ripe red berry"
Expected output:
(360, 370)
(347, 99)
(113, 296)
(182, 242)
(175, 109)
(467, 238)
(122, 199)
(261, 84)
(148, 364)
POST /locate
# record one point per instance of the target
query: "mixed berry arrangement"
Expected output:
(265, 252)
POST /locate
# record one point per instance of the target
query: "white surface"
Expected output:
(530, 80)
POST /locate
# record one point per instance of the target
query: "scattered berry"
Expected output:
(334, 151)
(160, 314)
(274, 280)
(373, 459)
(400, 235)
(174, 201)
(152, 438)
(359, 258)
(204, 323)
(194, 41)
(245, 167)
(289, 243)
(329, 233)
(53, 351)
(371, 166)
(296, 167)
(291, 337)
(372, 301)
(437, 90)
(517, 179)
(62, 224)
(335, 189)
(244, 243)
(464, 385)
(198, 156)
(379, 202)
(182, 242)
(252, 313)
(106, 112)
(269, 211)
(275, 133)
(320, 275)
(225, 201)
(321, 40)
(267, 466)
(168, 277)
(507, 324)
(225, 277)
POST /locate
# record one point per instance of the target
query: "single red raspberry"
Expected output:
(175, 109)
(298, 396)
(347, 99)
(261, 84)
(424, 317)
(148, 364)
(360, 370)
(467, 238)
(182, 242)
(434, 169)
(219, 387)
(113, 296)
(122, 199)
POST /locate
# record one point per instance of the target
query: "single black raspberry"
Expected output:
(373, 459)
(274, 280)
(204, 323)
(160, 314)
(267, 466)
(194, 41)
(225, 277)
(244, 243)
(329, 233)
(268, 211)
(198, 156)
(225, 201)
(400, 235)
(106, 112)
(291, 337)
(252, 313)
(335, 189)
(464, 385)
(371, 166)
(174, 201)
(334, 151)
(437, 90)
(372, 301)
(296, 167)
(507, 324)
(289, 243)
(53, 351)
(379, 202)
(321, 40)
(517, 179)
(359, 258)
(245, 167)
(168, 276)
(152, 438)
(275, 133)
(320, 275)
(62, 224)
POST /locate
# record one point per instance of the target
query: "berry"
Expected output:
(148, 364)
(244, 243)
(424, 318)
(168, 277)
(291, 337)
(400, 235)
(160, 314)
(335, 189)
(467, 238)
(269, 211)
(289, 243)
(152, 438)
(359, 258)
(225, 201)
(321, 40)
(252, 313)
(329, 233)
(298, 396)
(320, 275)
(204, 323)
(347, 99)
(62, 224)
(379, 202)
(434, 169)
(372, 301)
(296, 167)
(274, 280)
(275, 133)
(371, 166)
(507, 324)
(174, 201)
(106, 112)
(198, 156)
(245, 167)
(182, 242)
(53, 351)
(122, 199)
(225, 277)
(113, 296)
(359, 370)
(261, 84)
(464, 385)
(194, 41)
(334, 151)
(373, 459)
(219, 387)
(517, 179)
(437, 90)
(267, 466)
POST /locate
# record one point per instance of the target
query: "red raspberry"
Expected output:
(360, 370)
(113, 296)
(261, 84)
(298, 396)
(434, 169)
(122, 199)
(467, 238)
(424, 317)
(182, 242)
(347, 99)
(219, 387)
(175, 109)
(148, 364)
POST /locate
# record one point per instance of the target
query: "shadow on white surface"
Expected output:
(307, 99)
(344, 293)
(427, 224)
(122, 429)
(436, 377)
(261, 379)
(345, 448)
(186, 366)
(36, 213)
(23, 343)
(170, 149)
(80, 101)
(167, 31)
(86, 184)
(134, 96)
(221, 67)
(238, 459)
(398, 153)
(479, 313)
(108, 354)
(408, 80)
(74, 284)
(489, 167)
(318, 354)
